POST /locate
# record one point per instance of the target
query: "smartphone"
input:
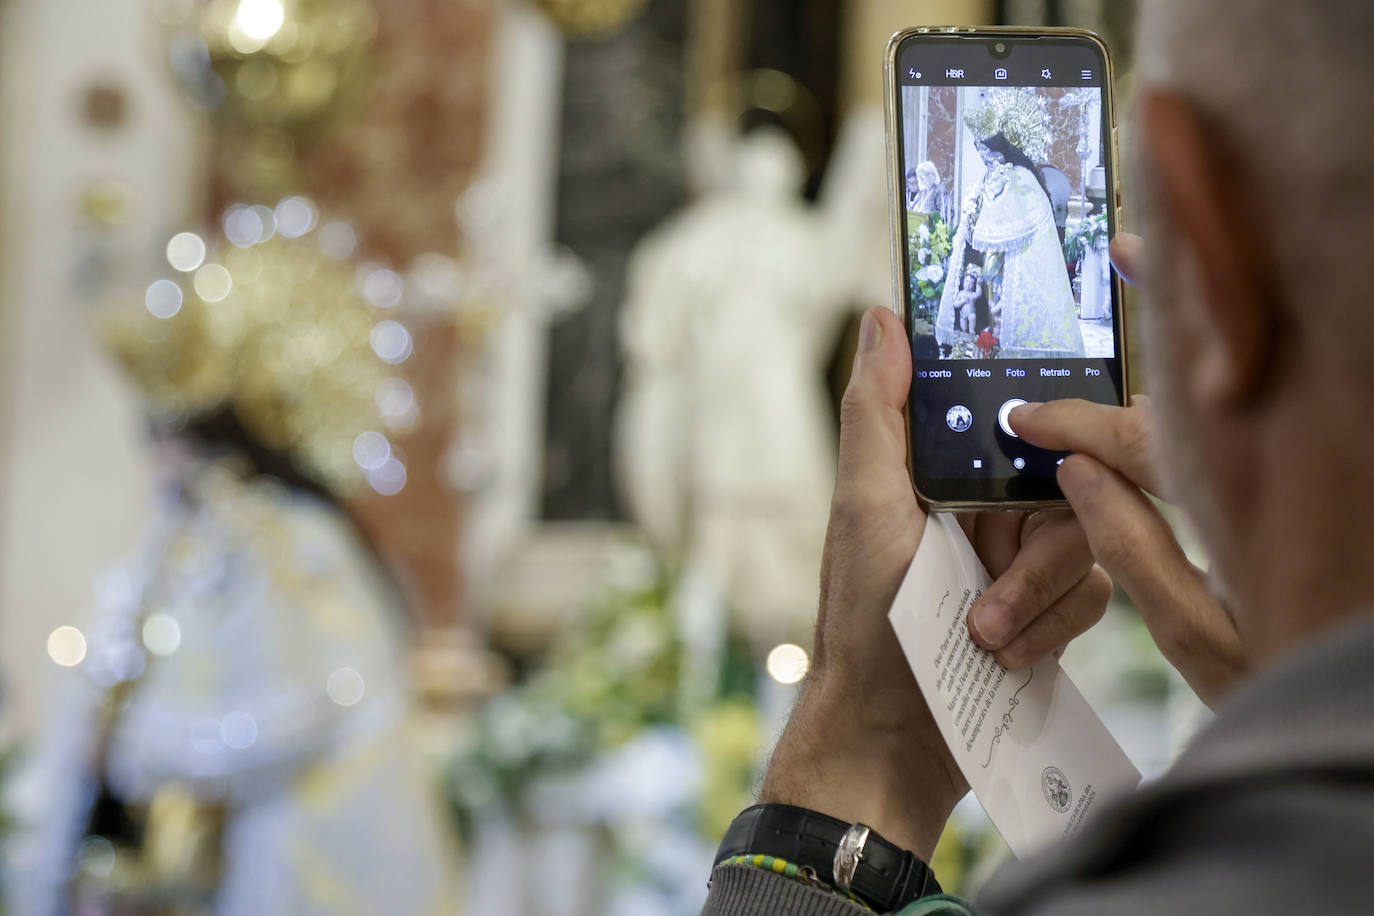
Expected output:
(1003, 181)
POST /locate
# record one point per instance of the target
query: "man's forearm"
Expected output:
(831, 760)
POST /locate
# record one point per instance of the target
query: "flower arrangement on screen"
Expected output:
(1083, 237)
(928, 247)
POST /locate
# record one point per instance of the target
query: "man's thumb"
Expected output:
(872, 432)
(882, 363)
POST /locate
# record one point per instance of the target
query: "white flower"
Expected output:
(923, 232)
(923, 254)
(931, 273)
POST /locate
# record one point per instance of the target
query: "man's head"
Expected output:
(1256, 125)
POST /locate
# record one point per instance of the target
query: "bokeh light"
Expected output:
(256, 79)
(213, 282)
(161, 634)
(382, 287)
(295, 217)
(243, 226)
(337, 240)
(391, 341)
(260, 19)
(371, 450)
(67, 646)
(395, 399)
(186, 251)
(345, 686)
(163, 298)
(267, 219)
(389, 478)
(238, 730)
(787, 663)
(436, 276)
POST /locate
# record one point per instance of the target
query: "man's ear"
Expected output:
(1206, 203)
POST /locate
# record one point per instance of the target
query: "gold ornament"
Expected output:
(275, 75)
(1019, 115)
(291, 65)
(583, 18)
(278, 331)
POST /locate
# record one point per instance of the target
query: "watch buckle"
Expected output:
(848, 855)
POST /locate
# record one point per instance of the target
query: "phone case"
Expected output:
(899, 298)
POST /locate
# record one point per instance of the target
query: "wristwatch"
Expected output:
(852, 857)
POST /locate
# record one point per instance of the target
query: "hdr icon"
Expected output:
(953, 74)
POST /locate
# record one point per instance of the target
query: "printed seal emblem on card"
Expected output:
(1056, 787)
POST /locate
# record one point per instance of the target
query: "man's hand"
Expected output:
(861, 744)
(1103, 481)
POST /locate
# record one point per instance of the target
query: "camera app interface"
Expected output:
(1009, 295)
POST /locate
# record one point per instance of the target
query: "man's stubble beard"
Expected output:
(1184, 470)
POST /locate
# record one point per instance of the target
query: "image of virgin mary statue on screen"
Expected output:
(1007, 228)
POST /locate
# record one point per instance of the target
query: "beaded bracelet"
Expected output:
(791, 870)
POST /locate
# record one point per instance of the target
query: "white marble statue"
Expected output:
(854, 204)
(725, 445)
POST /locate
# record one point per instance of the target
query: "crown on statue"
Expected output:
(279, 332)
(1019, 115)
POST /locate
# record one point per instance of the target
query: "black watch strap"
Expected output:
(887, 878)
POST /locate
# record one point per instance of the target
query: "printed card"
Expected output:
(1035, 753)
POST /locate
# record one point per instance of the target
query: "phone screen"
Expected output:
(1007, 203)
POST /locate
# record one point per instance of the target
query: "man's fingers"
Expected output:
(1053, 558)
(1135, 544)
(1129, 537)
(872, 458)
(1119, 437)
(1127, 253)
(882, 363)
(1072, 615)
(996, 536)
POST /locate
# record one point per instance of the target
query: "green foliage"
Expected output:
(728, 736)
(616, 673)
(1087, 234)
(8, 758)
(928, 248)
(621, 669)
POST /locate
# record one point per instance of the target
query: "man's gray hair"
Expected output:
(1288, 88)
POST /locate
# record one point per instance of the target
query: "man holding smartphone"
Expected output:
(1256, 123)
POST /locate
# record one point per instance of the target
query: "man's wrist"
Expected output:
(898, 780)
(851, 859)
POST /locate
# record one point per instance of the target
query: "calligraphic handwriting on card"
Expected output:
(1008, 717)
